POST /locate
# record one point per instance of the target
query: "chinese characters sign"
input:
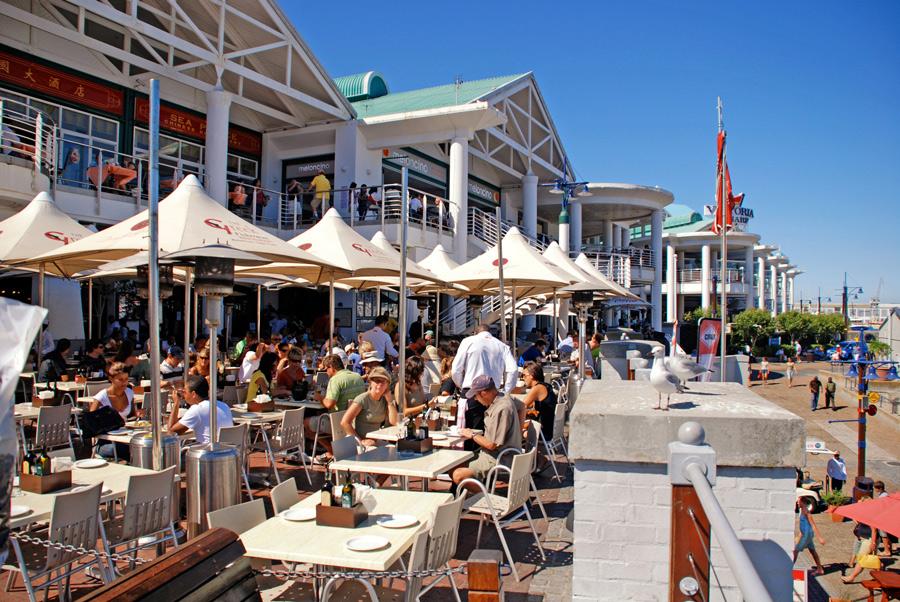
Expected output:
(53, 82)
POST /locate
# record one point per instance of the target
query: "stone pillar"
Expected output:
(761, 282)
(529, 203)
(784, 291)
(575, 228)
(459, 182)
(218, 103)
(773, 288)
(623, 492)
(671, 293)
(748, 277)
(791, 292)
(656, 227)
(705, 276)
(608, 234)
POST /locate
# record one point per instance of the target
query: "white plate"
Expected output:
(398, 521)
(104, 491)
(248, 415)
(18, 510)
(298, 514)
(366, 543)
(91, 463)
(119, 432)
(439, 436)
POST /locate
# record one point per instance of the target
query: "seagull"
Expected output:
(662, 380)
(684, 367)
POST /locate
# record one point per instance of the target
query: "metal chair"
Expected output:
(284, 496)
(147, 513)
(443, 536)
(237, 436)
(486, 503)
(288, 442)
(558, 443)
(238, 518)
(74, 520)
(53, 427)
(337, 432)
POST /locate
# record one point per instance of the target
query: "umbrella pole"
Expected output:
(187, 324)
(500, 278)
(330, 346)
(40, 345)
(404, 219)
(377, 300)
(437, 318)
(555, 308)
(90, 308)
(195, 316)
(513, 318)
(153, 279)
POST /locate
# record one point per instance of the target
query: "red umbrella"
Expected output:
(880, 513)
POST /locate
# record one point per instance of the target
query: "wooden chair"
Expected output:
(501, 510)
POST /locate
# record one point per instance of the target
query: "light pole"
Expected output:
(846, 291)
(567, 189)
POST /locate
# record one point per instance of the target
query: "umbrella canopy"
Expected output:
(616, 290)
(559, 258)
(524, 269)
(880, 513)
(346, 253)
(37, 229)
(548, 310)
(189, 219)
(439, 263)
(416, 275)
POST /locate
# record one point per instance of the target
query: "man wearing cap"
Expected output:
(380, 340)
(343, 386)
(502, 430)
(173, 365)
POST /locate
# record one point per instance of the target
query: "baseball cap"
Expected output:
(379, 373)
(429, 333)
(481, 383)
(176, 352)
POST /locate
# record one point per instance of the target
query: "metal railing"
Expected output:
(614, 265)
(29, 135)
(483, 226)
(696, 275)
(640, 258)
(696, 513)
(426, 211)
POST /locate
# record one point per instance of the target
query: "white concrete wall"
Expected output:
(623, 521)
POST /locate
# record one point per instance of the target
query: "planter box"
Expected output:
(336, 516)
(46, 484)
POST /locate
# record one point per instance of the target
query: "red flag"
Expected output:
(732, 200)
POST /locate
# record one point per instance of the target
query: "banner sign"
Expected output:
(193, 125)
(57, 83)
(709, 333)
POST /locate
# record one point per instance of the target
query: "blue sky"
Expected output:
(811, 93)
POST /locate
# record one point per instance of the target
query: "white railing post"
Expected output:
(38, 141)
(278, 217)
(140, 180)
(253, 205)
(99, 176)
(351, 202)
(2, 141)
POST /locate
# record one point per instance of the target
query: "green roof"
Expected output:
(435, 97)
(360, 86)
(698, 225)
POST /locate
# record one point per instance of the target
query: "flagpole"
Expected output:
(724, 254)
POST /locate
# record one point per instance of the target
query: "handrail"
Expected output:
(614, 265)
(483, 225)
(30, 135)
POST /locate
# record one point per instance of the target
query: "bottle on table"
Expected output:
(28, 463)
(45, 463)
(410, 428)
(327, 491)
(347, 493)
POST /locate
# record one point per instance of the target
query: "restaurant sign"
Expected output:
(308, 169)
(489, 194)
(193, 125)
(60, 84)
(416, 164)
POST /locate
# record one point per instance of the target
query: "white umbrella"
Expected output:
(38, 228)
(439, 263)
(559, 258)
(418, 276)
(620, 291)
(525, 271)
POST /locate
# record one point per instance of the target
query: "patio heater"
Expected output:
(583, 299)
(213, 469)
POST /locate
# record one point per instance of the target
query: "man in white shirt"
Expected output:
(248, 366)
(567, 344)
(277, 324)
(381, 341)
(415, 206)
(482, 354)
(197, 417)
(837, 472)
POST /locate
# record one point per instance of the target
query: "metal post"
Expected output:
(724, 257)
(40, 345)
(582, 332)
(100, 176)
(861, 416)
(512, 317)
(437, 318)
(153, 278)
(404, 250)
(259, 310)
(555, 320)
(187, 323)
(330, 345)
(213, 312)
(253, 206)
(90, 308)
(140, 179)
(500, 279)
(38, 142)
(195, 315)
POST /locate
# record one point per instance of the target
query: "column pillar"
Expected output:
(705, 276)
(218, 104)
(784, 295)
(608, 233)
(459, 211)
(761, 282)
(748, 277)
(791, 292)
(575, 229)
(671, 306)
(529, 203)
(656, 227)
(626, 236)
(773, 288)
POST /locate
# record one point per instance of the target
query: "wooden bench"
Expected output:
(210, 567)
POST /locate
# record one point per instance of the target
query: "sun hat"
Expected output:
(371, 357)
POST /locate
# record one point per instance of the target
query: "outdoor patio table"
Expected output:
(115, 483)
(309, 404)
(388, 461)
(307, 542)
(392, 434)
(68, 386)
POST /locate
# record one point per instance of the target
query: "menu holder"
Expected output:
(38, 402)
(419, 446)
(255, 406)
(47, 483)
(338, 516)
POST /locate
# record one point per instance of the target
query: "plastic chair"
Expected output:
(147, 513)
(497, 508)
(337, 431)
(558, 442)
(284, 496)
(53, 427)
(238, 518)
(443, 536)
(344, 448)
(288, 442)
(74, 520)
(237, 436)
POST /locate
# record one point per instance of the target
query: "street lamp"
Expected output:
(846, 291)
(563, 186)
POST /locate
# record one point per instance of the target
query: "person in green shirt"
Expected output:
(343, 386)
(245, 344)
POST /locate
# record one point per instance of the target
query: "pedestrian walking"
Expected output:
(836, 470)
(808, 528)
(791, 371)
(764, 371)
(815, 385)
(885, 537)
(830, 390)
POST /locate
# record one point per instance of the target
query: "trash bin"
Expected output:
(213, 482)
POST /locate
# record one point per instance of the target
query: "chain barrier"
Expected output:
(286, 575)
(78, 549)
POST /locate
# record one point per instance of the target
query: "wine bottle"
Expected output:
(327, 490)
(410, 428)
(37, 467)
(26, 463)
(347, 493)
(45, 463)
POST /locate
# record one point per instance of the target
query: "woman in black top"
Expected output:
(540, 401)
(53, 366)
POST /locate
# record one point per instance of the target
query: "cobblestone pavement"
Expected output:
(882, 462)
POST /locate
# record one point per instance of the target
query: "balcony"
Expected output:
(27, 148)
